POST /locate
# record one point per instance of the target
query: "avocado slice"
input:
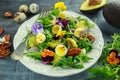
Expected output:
(91, 9)
(111, 13)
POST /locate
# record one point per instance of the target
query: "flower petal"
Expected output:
(64, 23)
(60, 5)
(119, 59)
(37, 28)
(46, 60)
(115, 51)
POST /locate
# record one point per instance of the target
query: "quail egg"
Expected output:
(19, 17)
(33, 8)
(23, 8)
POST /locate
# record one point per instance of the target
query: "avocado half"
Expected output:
(111, 13)
(86, 8)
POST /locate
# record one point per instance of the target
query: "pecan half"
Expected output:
(90, 37)
(4, 53)
(5, 45)
(1, 30)
(7, 38)
(4, 49)
(8, 14)
(74, 51)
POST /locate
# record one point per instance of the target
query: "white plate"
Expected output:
(48, 70)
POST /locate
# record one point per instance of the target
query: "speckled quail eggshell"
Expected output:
(34, 8)
(19, 17)
(23, 8)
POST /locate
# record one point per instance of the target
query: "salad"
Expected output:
(62, 40)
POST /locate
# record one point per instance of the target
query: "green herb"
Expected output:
(73, 61)
(34, 55)
(44, 21)
(55, 12)
(72, 23)
(44, 45)
(85, 43)
(104, 70)
(105, 73)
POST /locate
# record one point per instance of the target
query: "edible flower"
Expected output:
(62, 22)
(113, 57)
(61, 33)
(60, 5)
(37, 28)
(47, 56)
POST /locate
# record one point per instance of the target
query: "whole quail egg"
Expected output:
(23, 8)
(33, 8)
(19, 17)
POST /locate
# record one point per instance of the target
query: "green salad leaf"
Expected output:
(44, 45)
(72, 23)
(34, 55)
(55, 12)
(73, 61)
(85, 43)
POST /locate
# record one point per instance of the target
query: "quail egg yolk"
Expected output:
(40, 38)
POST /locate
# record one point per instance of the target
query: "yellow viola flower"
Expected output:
(60, 5)
(61, 33)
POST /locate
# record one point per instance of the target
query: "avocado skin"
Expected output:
(111, 13)
(94, 11)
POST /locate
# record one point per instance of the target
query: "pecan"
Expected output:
(74, 51)
(90, 37)
(4, 50)
(8, 14)
(1, 30)
(4, 53)
(94, 2)
(7, 38)
(5, 45)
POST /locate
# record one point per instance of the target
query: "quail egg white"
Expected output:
(33, 8)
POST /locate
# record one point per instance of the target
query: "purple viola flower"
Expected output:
(37, 28)
(114, 51)
(46, 60)
(59, 19)
(119, 59)
(65, 22)
(62, 22)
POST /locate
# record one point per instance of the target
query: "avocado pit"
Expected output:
(92, 6)
(94, 2)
